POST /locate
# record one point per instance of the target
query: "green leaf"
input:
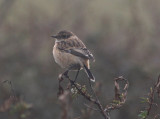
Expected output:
(116, 101)
(143, 114)
(151, 89)
(144, 100)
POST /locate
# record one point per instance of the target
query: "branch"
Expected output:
(120, 98)
(156, 88)
(77, 88)
(150, 100)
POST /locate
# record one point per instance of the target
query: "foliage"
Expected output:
(123, 35)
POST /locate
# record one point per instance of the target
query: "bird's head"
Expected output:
(63, 35)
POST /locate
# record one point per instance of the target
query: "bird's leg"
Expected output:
(66, 73)
(76, 75)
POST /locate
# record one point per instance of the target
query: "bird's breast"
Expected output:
(65, 60)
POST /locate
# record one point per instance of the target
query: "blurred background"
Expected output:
(123, 35)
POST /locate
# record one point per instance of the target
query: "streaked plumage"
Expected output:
(71, 53)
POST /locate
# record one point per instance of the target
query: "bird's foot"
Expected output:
(60, 77)
(65, 75)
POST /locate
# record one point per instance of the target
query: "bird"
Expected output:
(71, 54)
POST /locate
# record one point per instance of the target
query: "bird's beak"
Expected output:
(54, 36)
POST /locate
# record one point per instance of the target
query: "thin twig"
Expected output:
(98, 102)
(94, 100)
(120, 98)
(91, 107)
(151, 95)
(89, 98)
(150, 100)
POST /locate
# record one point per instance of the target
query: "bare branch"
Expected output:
(156, 88)
(150, 100)
(91, 107)
(120, 98)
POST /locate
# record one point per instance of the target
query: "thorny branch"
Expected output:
(120, 98)
(150, 101)
(156, 89)
(89, 111)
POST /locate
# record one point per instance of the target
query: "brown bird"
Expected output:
(71, 53)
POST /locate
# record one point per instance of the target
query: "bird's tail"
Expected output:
(90, 75)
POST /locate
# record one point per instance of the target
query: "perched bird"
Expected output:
(71, 53)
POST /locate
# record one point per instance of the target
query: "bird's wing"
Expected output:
(83, 53)
(86, 52)
(76, 47)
